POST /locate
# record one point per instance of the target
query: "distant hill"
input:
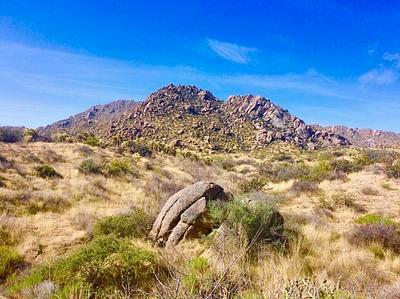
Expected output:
(365, 137)
(191, 117)
(91, 120)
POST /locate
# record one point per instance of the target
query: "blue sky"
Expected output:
(328, 62)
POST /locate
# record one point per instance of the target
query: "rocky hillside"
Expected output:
(365, 137)
(189, 117)
(91, 120)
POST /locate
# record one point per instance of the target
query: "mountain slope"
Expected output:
(91, 120)
(365, 137)
(194, 118)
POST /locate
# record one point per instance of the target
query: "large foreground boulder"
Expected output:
(183, 214)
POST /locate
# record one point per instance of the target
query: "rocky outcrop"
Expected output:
(183, 214)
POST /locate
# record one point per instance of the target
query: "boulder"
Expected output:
(183, 214)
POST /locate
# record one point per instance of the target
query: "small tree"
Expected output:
(30, 135)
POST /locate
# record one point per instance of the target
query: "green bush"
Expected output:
(198, 274)
(105, 265)
(118, 167)
(259, 221)
(90, 167)
(92, 141)
(10, 261)
(393, 171)
(344, 165)
(255, 184)
(46, 171)
(135, 224)
(374, 219)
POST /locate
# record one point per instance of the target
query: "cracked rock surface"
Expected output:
(183, 214)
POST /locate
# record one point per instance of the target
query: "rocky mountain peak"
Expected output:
(181, 98)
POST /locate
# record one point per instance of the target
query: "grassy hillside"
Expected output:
(74, 222)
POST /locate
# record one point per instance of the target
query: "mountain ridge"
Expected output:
(196, 119)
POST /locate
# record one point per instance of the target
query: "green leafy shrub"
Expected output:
(118, 167)
(92, 141)
(259, 220)
(46, 171)
(393, 171)
(374, 219)
(104, 265)
(90, 167)
(135, 224)
(10, 261)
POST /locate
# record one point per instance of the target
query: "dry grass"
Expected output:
(47, 218)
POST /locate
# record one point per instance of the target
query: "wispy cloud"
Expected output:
(379, 77)
(232, 52)
(393, 57)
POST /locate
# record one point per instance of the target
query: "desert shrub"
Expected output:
(283, 157)
(90, 167)
(2, 181)
(135, 224)
(259, 221)
(386, 157)
(374, 219)
(317, 172)
(198, 279)
(369, 191)
(62, 137)
(286, 171)
(308, 288)
(118, 167)
(30, 135)
(10, 261)
(224, 163)
(92, 141)
(47, 202)
(253, 185)
(46, 171)
(343, 199)
(7, 236)
(344, 165)
(5, 163)
(136, 148)
(299, 187)
(387, 186)
(383, 234)
(198, 270)
(393, 171)
(104, 265)
(52, 157)
(11, 135)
